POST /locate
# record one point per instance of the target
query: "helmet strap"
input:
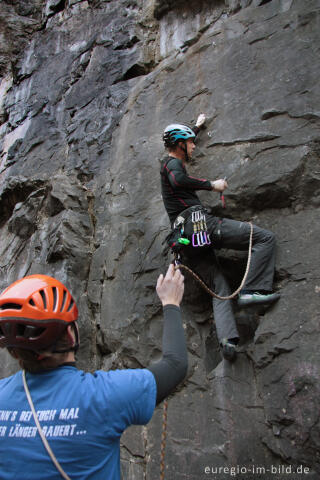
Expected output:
(75, 342)
(185, 150)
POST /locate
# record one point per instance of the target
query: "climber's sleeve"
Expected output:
(179, 179)
(172, 368)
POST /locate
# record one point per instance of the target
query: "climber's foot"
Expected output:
(257, 298)
(228, 349)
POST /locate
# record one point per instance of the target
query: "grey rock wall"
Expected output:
(86, 90)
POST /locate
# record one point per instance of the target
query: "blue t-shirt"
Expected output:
(82, 415)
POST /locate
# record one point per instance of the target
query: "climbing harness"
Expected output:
(43, 438)
(198, 237)
(180, 265)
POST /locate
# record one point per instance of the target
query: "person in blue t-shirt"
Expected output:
(80, 416)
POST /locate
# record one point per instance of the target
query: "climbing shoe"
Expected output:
(257, 298)
(228, 349)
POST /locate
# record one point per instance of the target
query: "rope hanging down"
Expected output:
(208, 290)
(163, 439)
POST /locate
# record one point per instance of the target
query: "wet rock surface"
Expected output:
(88, 89)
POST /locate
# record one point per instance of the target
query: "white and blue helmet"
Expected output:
(175, 132)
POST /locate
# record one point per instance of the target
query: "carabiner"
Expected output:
(195, 236)
(204, 239)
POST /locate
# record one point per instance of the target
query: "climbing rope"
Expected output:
(211, 292)
(163, 439)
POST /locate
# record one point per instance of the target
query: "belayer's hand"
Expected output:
(171, 287)
(200, 120)
(219, 185)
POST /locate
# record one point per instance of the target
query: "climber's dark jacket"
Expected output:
(178, 188)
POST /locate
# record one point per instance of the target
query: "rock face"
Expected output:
(86, 89)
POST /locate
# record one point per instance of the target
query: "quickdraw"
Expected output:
(200, 236)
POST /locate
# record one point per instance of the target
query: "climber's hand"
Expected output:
(170, 288)
(219, 185)
(200, 120)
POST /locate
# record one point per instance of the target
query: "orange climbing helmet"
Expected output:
(35, 312)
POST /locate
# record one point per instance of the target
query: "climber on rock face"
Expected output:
(81, 415)
(187, 214)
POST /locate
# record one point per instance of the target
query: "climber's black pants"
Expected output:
(222, 309)
(235, 235)
(203, 262)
